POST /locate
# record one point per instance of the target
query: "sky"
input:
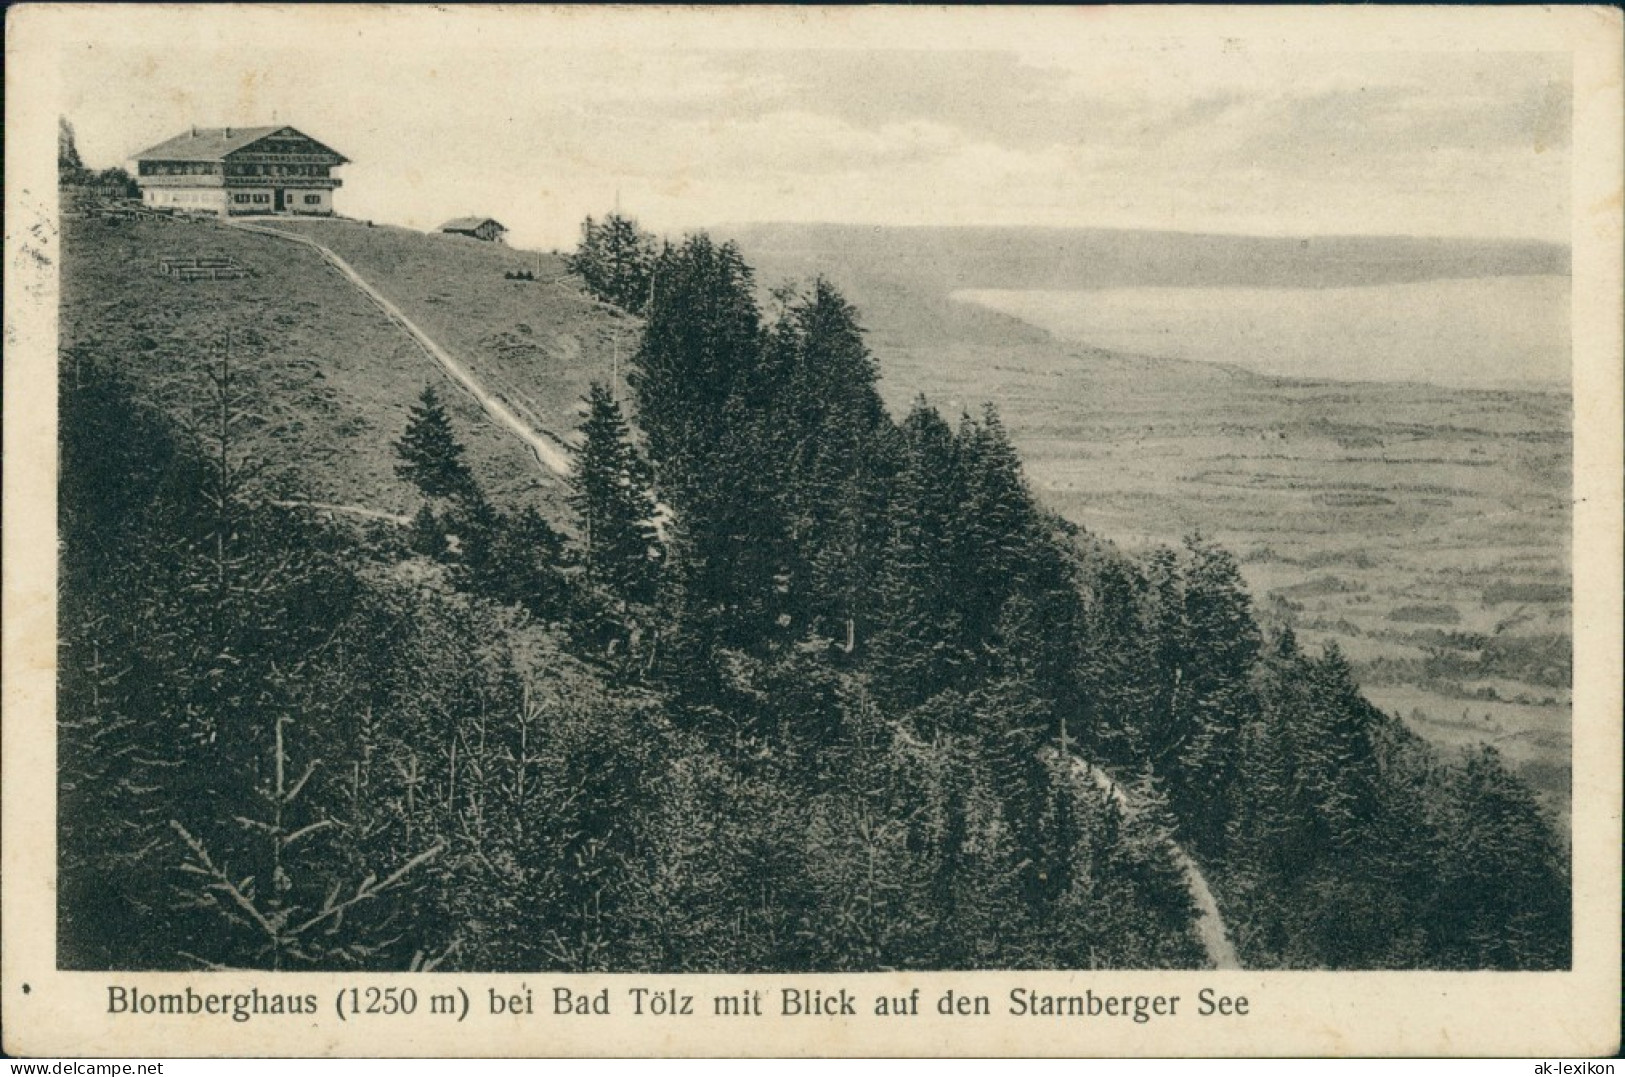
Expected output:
(539, 121)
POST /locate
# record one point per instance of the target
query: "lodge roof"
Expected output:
(217, 143)
(469, 224)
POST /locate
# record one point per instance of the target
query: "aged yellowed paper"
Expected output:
(478, 581)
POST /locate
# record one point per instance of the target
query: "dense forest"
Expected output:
(798, 687)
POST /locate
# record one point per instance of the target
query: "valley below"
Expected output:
(1419, 519)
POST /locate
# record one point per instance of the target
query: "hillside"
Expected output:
(332, 377)
(537, 344)
(863, 704)
(530, 798)
(1422, 528)
(1417, 527)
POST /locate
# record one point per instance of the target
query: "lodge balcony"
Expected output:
(215, 179)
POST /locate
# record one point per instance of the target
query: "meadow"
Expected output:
(336, 378)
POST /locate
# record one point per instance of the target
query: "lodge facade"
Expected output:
(236, 171)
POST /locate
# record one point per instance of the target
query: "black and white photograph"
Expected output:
(827, 498)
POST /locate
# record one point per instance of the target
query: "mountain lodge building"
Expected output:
(234, 171)
(485, 228)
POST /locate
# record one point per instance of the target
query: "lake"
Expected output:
(1488, 332)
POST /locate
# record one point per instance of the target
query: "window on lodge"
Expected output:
(313, 199)
(234, 169)
(177, 168)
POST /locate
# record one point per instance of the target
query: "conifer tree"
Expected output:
(1009, 555)
(973, 586)
(828, 372)
(1213, 700)
(1061, 835)
(610, 483)
(1333, 749)
(705, 403)
(1505, 891)
(832, 447)
(1010, 722)
(426, 534)
(615, 260)
(920, 646)
(996, 520)
(515, 557)
(431, 458)
(70, 168)
(701, 347)
(1163, 623)
(1116, 665)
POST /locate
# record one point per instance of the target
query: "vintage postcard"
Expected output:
(812, 531)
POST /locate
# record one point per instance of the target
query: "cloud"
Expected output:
(1215, 138)
(797, 142)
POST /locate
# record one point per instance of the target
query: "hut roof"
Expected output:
(469, 224)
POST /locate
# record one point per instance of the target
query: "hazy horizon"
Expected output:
(532, 118)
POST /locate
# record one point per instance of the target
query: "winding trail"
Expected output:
(550, 450)
(1209, 921)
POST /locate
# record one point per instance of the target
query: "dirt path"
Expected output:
(1209, 921)
(548, 449)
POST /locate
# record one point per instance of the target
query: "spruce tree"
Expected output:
(997, 521)
(1167, 644)
(1504, 900)
(1116, 666)
(920, 646)
(610, 483)
(1214, 697)
(1006, 551)
(615, 260)
(701, 349)
(706, 401)
(515, 558)
(832, 447)
(70, 168)
(430, 456)
(1334, 750)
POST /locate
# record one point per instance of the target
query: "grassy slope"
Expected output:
(332, 377)
(536, 344)
(1348, 503)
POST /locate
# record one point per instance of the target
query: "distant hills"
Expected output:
(954, 258)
